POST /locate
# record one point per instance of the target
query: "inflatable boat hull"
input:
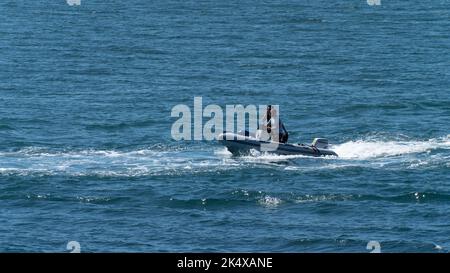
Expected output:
(241, 145)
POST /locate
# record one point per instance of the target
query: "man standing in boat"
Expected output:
(272, 124)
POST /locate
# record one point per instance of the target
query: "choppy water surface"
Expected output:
(85, 146)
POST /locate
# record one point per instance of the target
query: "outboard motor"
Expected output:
(320, 143)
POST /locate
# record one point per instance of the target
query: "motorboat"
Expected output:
(243, 142)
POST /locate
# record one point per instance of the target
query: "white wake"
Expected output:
(366, 149)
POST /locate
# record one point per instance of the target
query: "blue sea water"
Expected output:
(86, 152)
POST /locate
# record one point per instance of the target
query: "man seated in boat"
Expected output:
(271, 123)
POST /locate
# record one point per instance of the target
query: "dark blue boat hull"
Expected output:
(241, 145)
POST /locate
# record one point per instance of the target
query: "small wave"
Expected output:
(362, 149)
(99, 200)
(343, 243)
(223, 152)
(257, 156)
(246, 198)
(154, 161)
(270, 201)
